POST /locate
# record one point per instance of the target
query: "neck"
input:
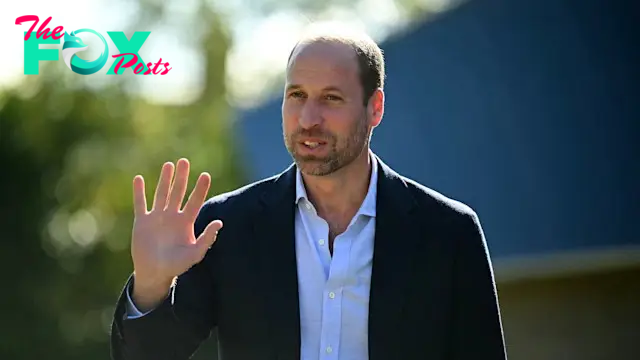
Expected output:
(342, 192)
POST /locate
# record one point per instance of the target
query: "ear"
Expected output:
(375, 108)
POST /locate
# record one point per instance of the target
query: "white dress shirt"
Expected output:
(333, 290)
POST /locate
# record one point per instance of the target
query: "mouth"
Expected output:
(312, 146)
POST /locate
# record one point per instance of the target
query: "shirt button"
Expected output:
(321, 242)
(308, 206)
(329, 349)
(332, 295)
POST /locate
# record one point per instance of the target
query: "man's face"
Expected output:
(325, 123)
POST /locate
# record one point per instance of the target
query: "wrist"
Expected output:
(148, 293)
(150, 283)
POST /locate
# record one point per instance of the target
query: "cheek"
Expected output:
(338, 121)
(289, 117)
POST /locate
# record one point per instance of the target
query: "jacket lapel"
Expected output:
(275, 232)
(397, 234)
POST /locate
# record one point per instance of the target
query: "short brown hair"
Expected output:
(368, 53)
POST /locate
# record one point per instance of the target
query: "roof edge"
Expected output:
(566, 264)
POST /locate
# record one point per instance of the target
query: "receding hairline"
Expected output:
(330, 33)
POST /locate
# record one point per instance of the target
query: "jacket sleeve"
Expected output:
(177, 327)
(478, 332)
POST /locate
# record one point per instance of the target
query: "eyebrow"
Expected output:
(299, 87)
(293, 87)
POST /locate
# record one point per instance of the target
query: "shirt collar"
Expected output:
(368, 206)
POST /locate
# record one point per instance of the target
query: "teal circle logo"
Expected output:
(73, 44)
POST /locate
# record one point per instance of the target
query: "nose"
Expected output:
(310, 116)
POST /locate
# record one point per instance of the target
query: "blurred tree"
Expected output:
(69, 156)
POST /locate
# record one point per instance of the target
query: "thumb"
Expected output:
(208, 236)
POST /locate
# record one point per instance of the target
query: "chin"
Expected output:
(315, 168)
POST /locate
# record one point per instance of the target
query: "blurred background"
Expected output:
(525, 110)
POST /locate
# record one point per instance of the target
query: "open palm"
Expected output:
(163, 243)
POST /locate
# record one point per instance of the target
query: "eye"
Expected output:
(296, 94)
(333, 98)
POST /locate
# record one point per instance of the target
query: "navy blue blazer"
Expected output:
(433, 295)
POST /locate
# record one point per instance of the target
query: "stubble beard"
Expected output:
(343, 151)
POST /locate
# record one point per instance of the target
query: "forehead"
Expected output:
(328, 63)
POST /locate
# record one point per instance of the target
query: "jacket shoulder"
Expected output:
(434, 201)
(243, 196)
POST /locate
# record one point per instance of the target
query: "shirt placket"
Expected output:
(332, 302)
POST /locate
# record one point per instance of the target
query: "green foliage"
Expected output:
(69, 155)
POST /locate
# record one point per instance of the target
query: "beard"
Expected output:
(343, 149)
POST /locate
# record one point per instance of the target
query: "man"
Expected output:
(338, 257)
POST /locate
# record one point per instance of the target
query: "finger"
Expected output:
(209, 235)
(198, 196)
(179, 187)
(207, 238)
(139, 197)
(164, 183)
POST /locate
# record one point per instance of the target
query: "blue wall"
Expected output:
(527, 111)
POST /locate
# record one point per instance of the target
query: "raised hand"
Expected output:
(163, 243)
